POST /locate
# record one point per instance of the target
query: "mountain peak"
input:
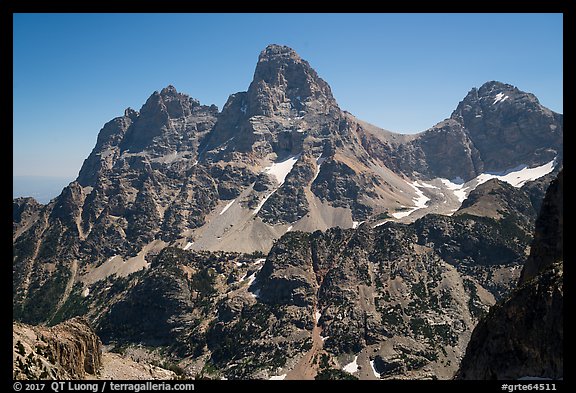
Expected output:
(494, 86)
(274, 51)
(169, 91)
(283, 79)
(503, 121)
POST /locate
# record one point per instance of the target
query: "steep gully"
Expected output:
(307, 366)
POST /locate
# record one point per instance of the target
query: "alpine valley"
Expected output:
(283, 238)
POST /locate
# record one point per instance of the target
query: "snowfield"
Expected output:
(420, 202)
(319, 161)
(380, 224)
(376, 373)
(227, 206)
(281, 169)
(187, 246)
(352, 367)
(516, 177)
(457, 188)
(262, 202)
(519, 175)
(500, 97)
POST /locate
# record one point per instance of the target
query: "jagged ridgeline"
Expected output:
(282, 237)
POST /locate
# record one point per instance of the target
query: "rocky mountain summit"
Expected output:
(286, 232)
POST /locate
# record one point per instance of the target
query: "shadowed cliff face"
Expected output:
(523, 336)
(548, 244)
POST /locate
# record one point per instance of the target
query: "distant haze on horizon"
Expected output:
(402, 72)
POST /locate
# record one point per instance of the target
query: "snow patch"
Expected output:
(255, 294)
(352, 367)
(251, 278)
(380, 224)
(281, 169)
(424, 185)
(223, 145)
(188, 245)
(239, 264)
(86, 292)
(227, 206)
(420, 202)
(376, 373)
(519, 175)
(289, 228)
(458, 189)
(324, 338)
(277, 377)
(478, 116)
(500, 97)
(317, 316)
(355, 224)
(319, 161)
(258, 261)
(262, 202)
(402, 214)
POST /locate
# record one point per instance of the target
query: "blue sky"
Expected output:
(402, 72)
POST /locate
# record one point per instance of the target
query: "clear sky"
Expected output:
(402, 72)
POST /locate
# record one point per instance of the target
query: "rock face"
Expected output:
(69, 350)
(24, 212)
(523, 336)
(509, 127)
(159, 240)
(548, 243)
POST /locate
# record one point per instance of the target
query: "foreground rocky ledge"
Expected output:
(69, 350)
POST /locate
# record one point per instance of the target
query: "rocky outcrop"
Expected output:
(287, 277)
(523, 335)
(289, 203)
(69, 350)
(24, 212)
(548, 244)
(444, 151)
